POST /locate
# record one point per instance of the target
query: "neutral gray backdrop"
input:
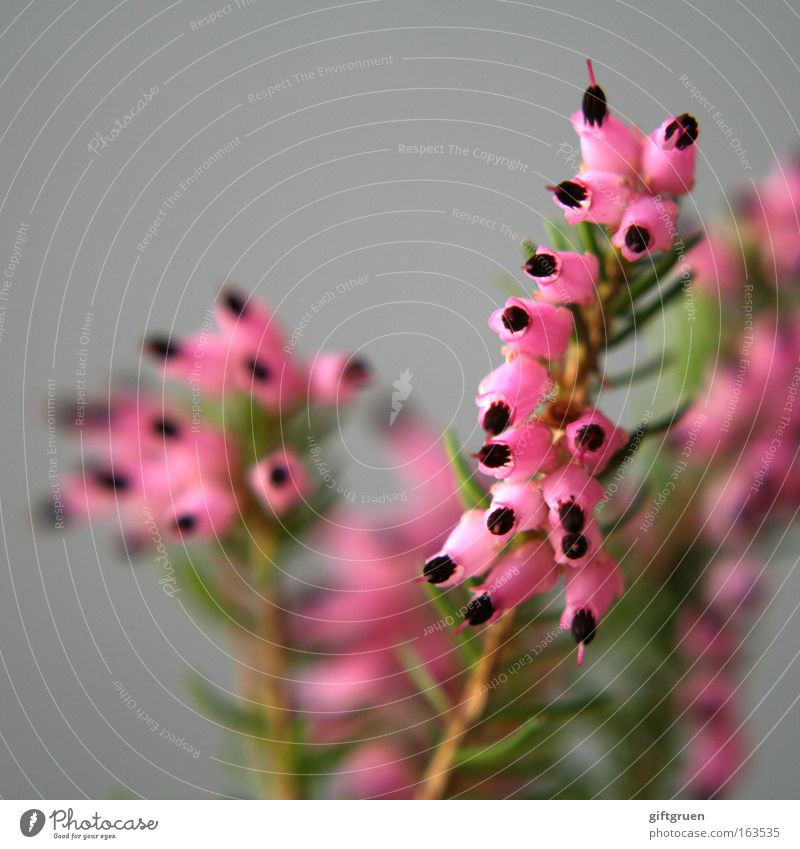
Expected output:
(315, 190)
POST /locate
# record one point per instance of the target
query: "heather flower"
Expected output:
(518, 452)
(668, 156)
(647, 226)
(532, 328)
(526, 571)
(575, 548)
(337, 377)
(563, 277)
(204, 511)
(467, 552)
(567, 488)
(510, 394)
(279, 481)
(593, 440)
(516, 506)
(600, 197)
(607, 143)
(589, 593)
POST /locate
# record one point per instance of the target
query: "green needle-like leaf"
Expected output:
(652, 273)
(469, 491)
(511, 744)
(234, 716)
(423, 680)
(557, 237)
(642, 316)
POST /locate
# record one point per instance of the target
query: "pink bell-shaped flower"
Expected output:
(533, 328)
(648, 226)
(467, 552)
(564, 277)
(668, 156)
(526, 571)
(590, 591)
(510, 393)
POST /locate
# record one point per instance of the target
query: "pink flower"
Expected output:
(590, 591)
(571, 495)
(279, 481)
(593, 440)
(467, 552)
(200, 360)
(246, 321)
(713, 757)
(600, 197)
(564, 277)
(518, 453)
(273, 378)
(204, 512)
(526, 571)
(668, 156)
(607, 144)
(534, 329)
(373, 770)
(510, 394)
(576, 548)
(647, 226)
(516, 506)
(337, 378)
(716, 266)
(733, 583)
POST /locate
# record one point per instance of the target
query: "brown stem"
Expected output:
(465, 715)
(273, 668)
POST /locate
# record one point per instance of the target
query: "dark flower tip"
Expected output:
(540, 265)
(591, 437)
(260, 372)
(686, 126)
(358, 371)
(496, 418)
(438, 569)
(637, 238)
(572, 517)
(479, 609)
(235, 302)
(584, 627)
(574, 546)
(166, 427)
(594, 106)
(500, 521)
(109, 479)
(493, 455)
(185, 523)
(162, 347)
(515, 319)
(278, 475)
(571, 194)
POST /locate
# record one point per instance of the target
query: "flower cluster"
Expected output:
(748, 412)
(365, 634)
(546, 445)
(711, 638)
(628, 181)
(150, 460)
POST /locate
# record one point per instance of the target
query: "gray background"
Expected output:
(317, 192)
